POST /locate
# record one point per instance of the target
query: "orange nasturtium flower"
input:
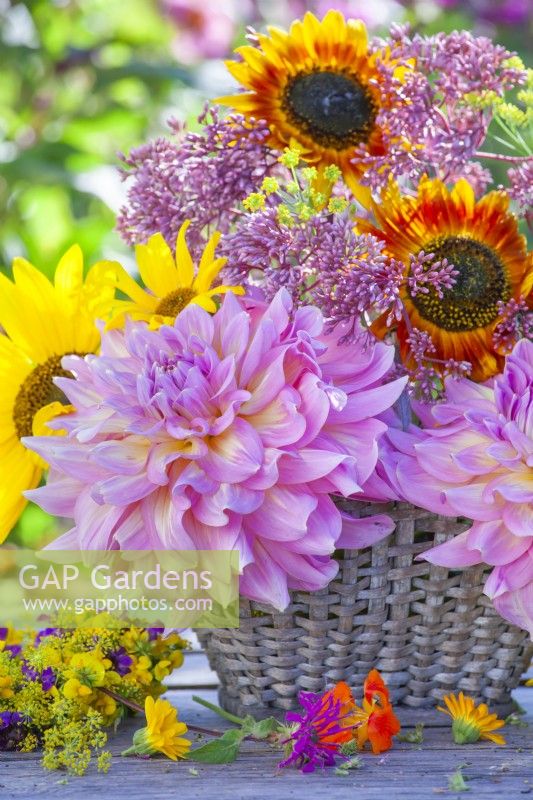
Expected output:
(377, 723)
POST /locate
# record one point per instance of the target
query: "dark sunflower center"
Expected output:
(37, 391)
(472, 302)
(173, 303)
(334, 109)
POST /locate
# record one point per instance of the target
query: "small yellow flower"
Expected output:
(470, 722)
(171, 283)
(140, 670)
(163, 732)
(162, 669)
(5, 687)
(75, 690)
(88, 668)
(105, 705)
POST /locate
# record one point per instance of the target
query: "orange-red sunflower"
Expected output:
(482, 241)
(317, 87)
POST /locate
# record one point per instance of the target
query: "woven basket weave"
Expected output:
(428, 630)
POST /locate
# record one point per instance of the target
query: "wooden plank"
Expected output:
(407, 772)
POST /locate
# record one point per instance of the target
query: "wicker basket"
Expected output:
(428, 630)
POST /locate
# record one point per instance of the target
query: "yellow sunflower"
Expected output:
(470, 722)
(482, 241)
(318, 89)
(171, 283)
(42, 322)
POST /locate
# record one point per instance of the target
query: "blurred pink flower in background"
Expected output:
(499, 12)
(377, 12)
(475, 458)
(205, 28)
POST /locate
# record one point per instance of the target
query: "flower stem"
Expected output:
(218, 710)
(502, 157)
(139, 709)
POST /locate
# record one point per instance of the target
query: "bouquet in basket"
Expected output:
(333, 300)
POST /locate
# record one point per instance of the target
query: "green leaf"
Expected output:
(414, 737)
(456, 782)
(220, 751)
(260, 729)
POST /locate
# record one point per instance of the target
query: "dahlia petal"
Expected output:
(314, 407)
(517, 607)
(323, 530)
(517, 487)
(495, 543)
(470, 501)
(519, 518)
(235, 455)
(58, 498)
(307, 464)
(309, 573)
(417, 487)
(194, 320)
(264, 580)
(280, 423)
(512, 576)
(476, 460)
(127, 456)
(120, 490)
(163, 517)
(65, 456)
(95, 523)
(211, 508)
(287, 510)
(453, 553)
(358, 532)
(370, 402)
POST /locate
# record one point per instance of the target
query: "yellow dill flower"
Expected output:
(163, 732)
(471, 722)
(42, 322)
(171, 283)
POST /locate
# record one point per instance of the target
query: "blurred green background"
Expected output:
(83, 80)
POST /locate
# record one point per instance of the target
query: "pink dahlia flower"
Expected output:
(477, 461)
(228, 432)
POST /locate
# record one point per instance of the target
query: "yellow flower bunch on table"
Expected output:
(171, 283)
(42, 321)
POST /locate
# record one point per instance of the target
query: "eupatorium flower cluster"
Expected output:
(195, 176)
(475, 458)
(430, 124)
(228, 431)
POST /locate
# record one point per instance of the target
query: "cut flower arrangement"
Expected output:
(334, 310)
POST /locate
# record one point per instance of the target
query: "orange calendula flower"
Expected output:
(470, 722)
(377, 723)
(318, 88)
(482, 241)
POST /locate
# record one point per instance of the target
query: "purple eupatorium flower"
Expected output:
(228, 431)
(429, 124)
(197, 176)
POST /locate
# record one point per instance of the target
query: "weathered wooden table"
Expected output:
(407, 772)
